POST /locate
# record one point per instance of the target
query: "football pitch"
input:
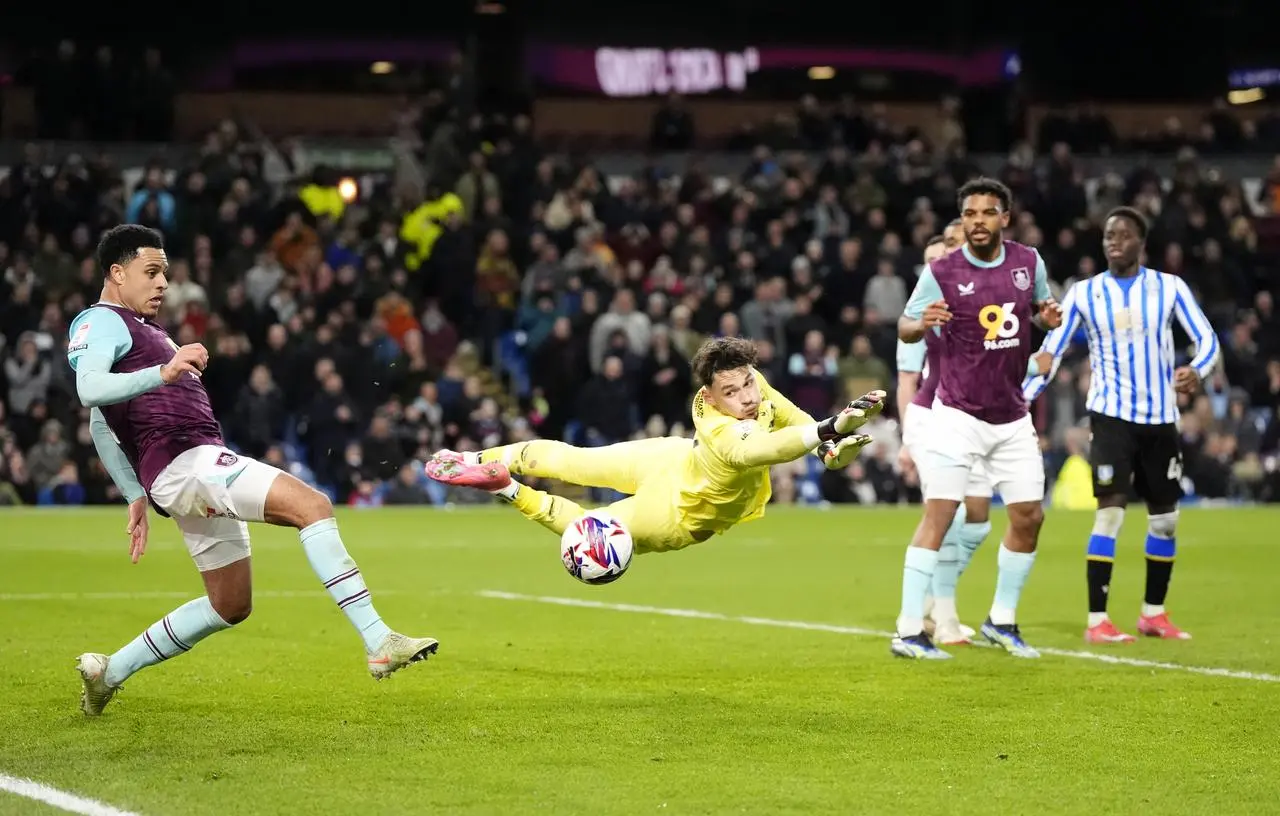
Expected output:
(750, 674)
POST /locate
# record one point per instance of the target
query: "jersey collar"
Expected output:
(973, 259)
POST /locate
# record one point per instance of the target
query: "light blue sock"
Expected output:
(1014, 569)
(168, 637)
(917, 574)
(340, 575)
(947, 571)
(969, 539)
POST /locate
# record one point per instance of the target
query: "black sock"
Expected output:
(1098, 574)
(1159, 571)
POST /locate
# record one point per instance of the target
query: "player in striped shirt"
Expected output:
(1127, 313)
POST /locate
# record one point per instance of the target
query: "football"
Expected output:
(596, 548)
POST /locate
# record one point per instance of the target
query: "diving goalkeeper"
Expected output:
(680, 491)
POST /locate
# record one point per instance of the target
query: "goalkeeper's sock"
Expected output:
(509, 492)
(507, 455)
(341, 577)
(172, 635)
(917, 575)
(553, 512)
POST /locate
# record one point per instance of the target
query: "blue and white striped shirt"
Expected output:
(1131, 349)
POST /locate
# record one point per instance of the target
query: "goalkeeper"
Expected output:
(680, 491)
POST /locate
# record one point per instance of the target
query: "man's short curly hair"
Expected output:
(983, 185)
(723, 354)
(1132, 216)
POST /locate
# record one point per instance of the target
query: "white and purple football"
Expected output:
(596, 548)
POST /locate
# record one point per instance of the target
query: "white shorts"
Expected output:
(958, 443)
(211, 492)
(916, 427)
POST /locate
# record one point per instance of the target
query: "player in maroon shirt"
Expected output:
(980, 302)
(155, 432)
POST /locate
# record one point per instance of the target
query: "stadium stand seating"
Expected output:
(481, 290)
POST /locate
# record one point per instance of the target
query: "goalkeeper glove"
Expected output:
(839, 454)
(852, 417)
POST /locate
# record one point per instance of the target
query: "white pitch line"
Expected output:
(62, 800)
(160, 594)
(1211, 671)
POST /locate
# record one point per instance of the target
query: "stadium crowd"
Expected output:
(485, 292)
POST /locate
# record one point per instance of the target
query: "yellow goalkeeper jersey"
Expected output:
(725, 478)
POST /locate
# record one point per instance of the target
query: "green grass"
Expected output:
(532, 707)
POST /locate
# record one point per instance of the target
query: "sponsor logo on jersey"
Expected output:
(1001, 325)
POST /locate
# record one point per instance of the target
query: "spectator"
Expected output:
(259, 417)
(812, 376)
(765, 316)
(29, 375)
(622, 317)
(47, 456)
(862, 371)
(378, 320)
(886, 292)
(497, 283)
(666, 380)
(407, 489)
(604, 405)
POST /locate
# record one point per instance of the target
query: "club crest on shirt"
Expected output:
(226, 459)
(1022, 278)
(1106, 474)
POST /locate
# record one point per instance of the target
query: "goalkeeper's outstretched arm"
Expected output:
(746, 445)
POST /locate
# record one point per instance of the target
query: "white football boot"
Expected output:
(397, 651)
(96, 694)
